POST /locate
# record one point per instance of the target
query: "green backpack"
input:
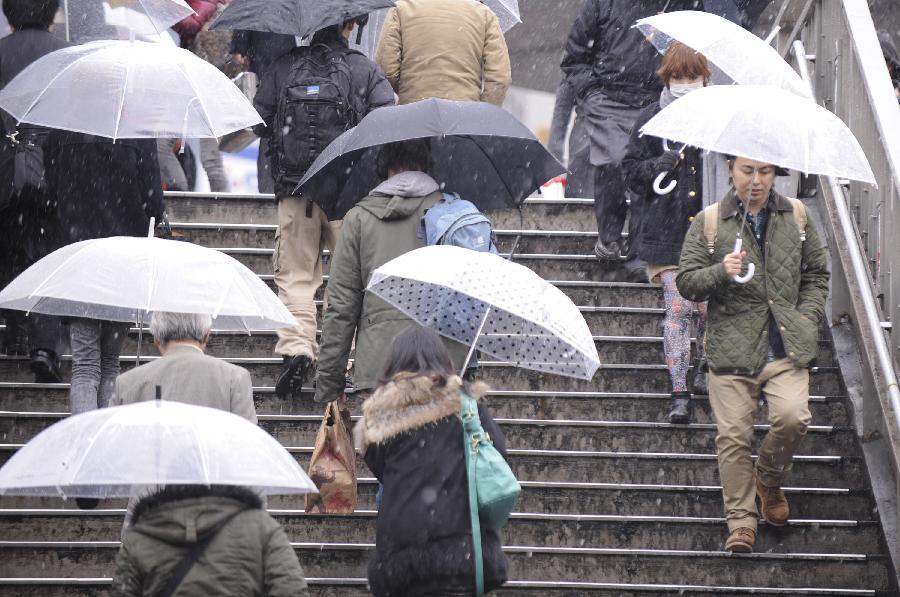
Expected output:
(493, 488)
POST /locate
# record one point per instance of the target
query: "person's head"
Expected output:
(402, 156)
(683, 70)
(30, 14)
(752, 180)
(182, 328)
(342, 30)
(416, 350)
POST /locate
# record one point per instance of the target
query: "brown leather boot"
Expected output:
(741, 540)
(775, 507)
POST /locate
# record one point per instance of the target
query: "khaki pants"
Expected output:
(297, 262)
(734, 400)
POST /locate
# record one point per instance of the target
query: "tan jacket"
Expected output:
(444, 49)
(187, 375)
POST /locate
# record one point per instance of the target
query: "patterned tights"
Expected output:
(677, 331)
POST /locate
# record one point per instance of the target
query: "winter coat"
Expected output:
(250, 555)
(261, 48)
(605, 53)
(190, 26)
(369, 87)
(450, 49)
(412, 439)
(104, 188)
(376, 230)
(665, 218)
(792, 284)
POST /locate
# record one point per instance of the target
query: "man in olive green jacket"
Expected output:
(760, 336)
(379, 228)
(450, 49)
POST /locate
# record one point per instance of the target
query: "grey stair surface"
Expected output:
(614, 502)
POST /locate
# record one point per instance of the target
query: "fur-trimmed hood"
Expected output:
(410, 401)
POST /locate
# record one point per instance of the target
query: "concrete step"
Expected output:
(622, 499)
(536, 404)
(528, 563)
(551, 530)
(609, 378)
(540, 434)
(634, 467)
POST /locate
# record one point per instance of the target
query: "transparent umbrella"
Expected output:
(507, 12)
(124, 278)
(766, 124)
(92, 20)
(118, 451)
(743, 57)
(128, 89)
(491, 304)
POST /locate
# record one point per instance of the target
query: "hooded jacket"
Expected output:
(379, 228)
(791, 283)
(412, 438)
(249, 556)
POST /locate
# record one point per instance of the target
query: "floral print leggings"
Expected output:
(677, 331)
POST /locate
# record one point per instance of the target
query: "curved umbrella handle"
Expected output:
(751, 267)
(660, 190)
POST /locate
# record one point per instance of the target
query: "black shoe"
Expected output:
(87, 503)
(293, 374)
(45, 366)
(698, 383)
(607, 252)
(681, 408)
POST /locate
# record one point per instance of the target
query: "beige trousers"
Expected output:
(734, 400)
(297, 262)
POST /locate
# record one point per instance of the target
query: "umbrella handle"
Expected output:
(751, 267)
(660, 190)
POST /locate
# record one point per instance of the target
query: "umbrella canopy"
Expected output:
(740, 55)
(766, 124)
(128, 89)
(116, 452)
(507, 12)
(293, 17)
(479, 151)
(124, 278)
(91, 20)
(500, 307)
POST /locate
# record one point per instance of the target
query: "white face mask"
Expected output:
(684, 89)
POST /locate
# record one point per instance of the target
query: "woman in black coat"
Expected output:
(412, 438)
(668, 215)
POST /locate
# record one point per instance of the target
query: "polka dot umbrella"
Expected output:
(490, 304)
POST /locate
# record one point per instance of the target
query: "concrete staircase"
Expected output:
(614, 503)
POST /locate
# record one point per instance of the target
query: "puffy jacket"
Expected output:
(792, 284)
(445, 49)
(250, 555)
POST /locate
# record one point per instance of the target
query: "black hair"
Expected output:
(413, 154)
(30, 14)
(779, 171)
(333, 32)
(416, 350)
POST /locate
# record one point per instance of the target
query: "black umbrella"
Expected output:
(479, 151)
(293, 17)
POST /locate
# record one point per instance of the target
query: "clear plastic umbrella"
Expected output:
(743, 57)
(125, 278)
(119, 451)
(766, 124)
(507, 12)
(491, 304)
(91, 20)
(128, 89)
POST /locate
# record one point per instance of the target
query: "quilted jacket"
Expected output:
(793, 285)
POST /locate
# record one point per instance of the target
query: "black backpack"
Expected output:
(22, 163)
(314, 107)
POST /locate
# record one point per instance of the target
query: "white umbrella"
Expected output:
(507, 12)
(741, 56)
(118, 451)
(766, 124)
(128, 89)
(491, 304)
(90, 20)
(124, 278)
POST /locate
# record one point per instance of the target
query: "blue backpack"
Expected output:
(455, 221)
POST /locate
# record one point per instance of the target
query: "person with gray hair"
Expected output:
(184, 373)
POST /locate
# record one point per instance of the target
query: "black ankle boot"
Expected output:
(681, 408)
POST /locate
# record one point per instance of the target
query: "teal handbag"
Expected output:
(493, 488)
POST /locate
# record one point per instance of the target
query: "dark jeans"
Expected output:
(609, 201)
(96, 346)
(43, 332)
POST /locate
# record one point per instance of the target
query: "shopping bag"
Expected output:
(333, 465)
